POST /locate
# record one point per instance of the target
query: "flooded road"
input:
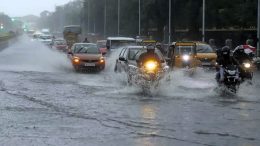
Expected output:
(44, 102)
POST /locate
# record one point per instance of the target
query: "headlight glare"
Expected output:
(150, 65)
(186, 57)
(76, 60)
(247, 65)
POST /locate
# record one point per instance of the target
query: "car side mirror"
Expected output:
(70, 53)
(122, 59)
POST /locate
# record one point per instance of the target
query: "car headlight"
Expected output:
(150, 65)
(186, 57)
(102, 60)
(76, 60)
(247, 65)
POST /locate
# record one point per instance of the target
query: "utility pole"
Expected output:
(203, 21)
(105, 19)
(258, 30)
(139, 32)
(88, 15)
(170, 19)
(118, 21)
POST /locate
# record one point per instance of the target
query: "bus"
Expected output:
(72, 34)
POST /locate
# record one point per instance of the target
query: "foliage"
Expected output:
(186, 14)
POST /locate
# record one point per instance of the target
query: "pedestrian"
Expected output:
(86, 40)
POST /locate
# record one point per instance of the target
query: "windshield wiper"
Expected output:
(80, 49)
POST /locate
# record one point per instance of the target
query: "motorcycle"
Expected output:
(246, 71)
(231, 81)
(148, 76)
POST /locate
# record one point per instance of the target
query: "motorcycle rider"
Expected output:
(159, 47)
(224, 59)
(212, 43)
(244, 54)
(229, 43)
(148, 55)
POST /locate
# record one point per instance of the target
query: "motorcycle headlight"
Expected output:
(186, 57)
(150, 65)
(247, 65)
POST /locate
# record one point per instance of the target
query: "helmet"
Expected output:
(158, 45)
(150, 48)
(211, 41)
(250, 42)
(225, 51)
(228, 42)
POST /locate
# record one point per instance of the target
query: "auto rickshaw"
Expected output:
(144, 42)
(183, 55)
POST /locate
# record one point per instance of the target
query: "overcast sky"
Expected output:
(15, 8)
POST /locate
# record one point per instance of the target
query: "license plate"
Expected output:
(205, 63)
(90, 64)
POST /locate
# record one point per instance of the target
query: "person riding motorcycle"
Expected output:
(159, 47)
(148, 56)
(212, 44)
(229, 43)
(243, 55)
(224, 59)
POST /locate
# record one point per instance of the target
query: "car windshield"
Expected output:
(88, 49)
(142, 51)
(60, 42)
(204, 49)
(45, 37)
(132, 53)
(121, 43)
(101, 44)
(179, 50)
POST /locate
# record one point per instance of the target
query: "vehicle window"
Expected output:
(92, 50)
(75, 29)
(158, 53)
(60, 42)
(122, 52)
(132, 54)
(45, 37)
(125, 53)
(101, 45)
(86, 48)
(121, 43)
(204, 49)
(184, 50)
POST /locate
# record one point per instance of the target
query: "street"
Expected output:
(44, 102)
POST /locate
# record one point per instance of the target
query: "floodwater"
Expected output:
(44, 102)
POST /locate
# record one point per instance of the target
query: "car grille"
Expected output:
(90, 61)
(206, 60)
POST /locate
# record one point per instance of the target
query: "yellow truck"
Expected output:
(72, 34)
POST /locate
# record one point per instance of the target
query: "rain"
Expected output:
(47, 100)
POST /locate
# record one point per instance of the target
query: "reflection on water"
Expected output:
(148, 114)
(244, 113)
